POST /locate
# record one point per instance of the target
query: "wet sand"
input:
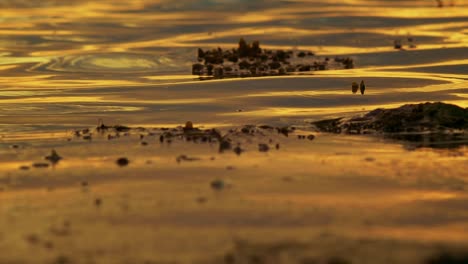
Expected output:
(333, 196)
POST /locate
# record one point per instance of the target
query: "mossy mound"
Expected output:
(424, 117)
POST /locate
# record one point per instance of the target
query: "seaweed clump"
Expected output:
(413, 118)
(250, 60)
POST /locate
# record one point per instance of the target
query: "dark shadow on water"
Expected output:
(435, 141)
(448, 258)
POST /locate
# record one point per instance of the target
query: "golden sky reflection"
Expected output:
(61, 48)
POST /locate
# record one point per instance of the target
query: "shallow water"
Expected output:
(70, 63)
(65, 65)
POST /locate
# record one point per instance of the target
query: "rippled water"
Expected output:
(69, 63)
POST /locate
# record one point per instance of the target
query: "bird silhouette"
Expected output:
(362, 87)
(354, 87)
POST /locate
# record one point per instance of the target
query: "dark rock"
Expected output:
(224, 145)
(40, 165)
(263, 147)
(304, 68)
(122, 162)
(201, 54)
(217, 185)
(274, 65)
(397, 44)
(238, 150)
(197, 69)
(181, 158)
(244, 65)
(24, 167)
(424, 117)
(283, 130)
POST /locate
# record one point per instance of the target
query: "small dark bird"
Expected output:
(362, 87)
(354, 87)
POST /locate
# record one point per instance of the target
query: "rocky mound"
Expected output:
(249, 60)
(410, 118)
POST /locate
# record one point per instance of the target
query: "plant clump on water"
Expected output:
(424, 117)
(251, 60)
(435, 125)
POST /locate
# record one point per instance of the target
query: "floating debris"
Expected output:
(238, 150)
(224, 145)
(54, 158)
(263, 147)
(354, 87)
(250, 60)
(217, 185)
(362, 87)
(24, 167)
(98, 202)
(311, 137)
(186, 158)
(40, 165)
(122, 162)
(397, 44)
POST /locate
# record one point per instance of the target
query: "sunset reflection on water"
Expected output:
(70, 66)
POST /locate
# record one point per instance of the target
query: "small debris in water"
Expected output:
(238, 150)
(362, 87)
(122, 162)
(32, 239)
(263, 147)
(54, 157)
(224, 145)
(311, 137)
(24, 167)
(186, 158)
(40, 165)
(354, 87)
(218, 185)
(202, 200)
(397, 44)
(98, 202)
